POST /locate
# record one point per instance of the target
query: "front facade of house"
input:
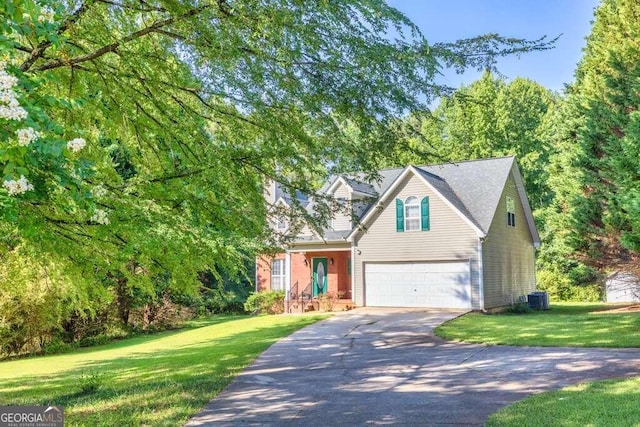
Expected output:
(457, 235)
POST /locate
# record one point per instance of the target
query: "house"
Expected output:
(622, 286)
(455, 235)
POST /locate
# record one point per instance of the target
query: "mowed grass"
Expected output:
(564, 325)
(160, 379)
(601, 403)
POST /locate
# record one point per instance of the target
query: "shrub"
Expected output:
(90, 382)
(266, 302)
(162, 315)
(329, 300)
(561, 288)
(57, 346)
(518, 308)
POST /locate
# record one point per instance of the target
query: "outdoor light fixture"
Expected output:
(305, 262)
(331, 261)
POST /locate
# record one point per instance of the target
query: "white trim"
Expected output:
(406, 217)
(395, 184)
(283, 272)
(480, 274)
(340, 180)
(258, 258)
(353, 273)
(281, 200)
(287, 272)
(324, 249)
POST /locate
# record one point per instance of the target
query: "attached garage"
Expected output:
(418, 284)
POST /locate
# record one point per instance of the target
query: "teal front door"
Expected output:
(319, 276)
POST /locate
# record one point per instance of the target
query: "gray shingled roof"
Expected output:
(473, 187)
(361, 187)
(477, 185)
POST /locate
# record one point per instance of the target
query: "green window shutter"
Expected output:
(399, 215)
(424, 214)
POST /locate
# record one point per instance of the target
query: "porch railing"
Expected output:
(297, 299)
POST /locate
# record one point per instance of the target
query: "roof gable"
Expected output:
(472, 189)
(436, 184)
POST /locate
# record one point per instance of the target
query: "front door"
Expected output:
(319, 276)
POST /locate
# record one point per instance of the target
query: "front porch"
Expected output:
(320, 281)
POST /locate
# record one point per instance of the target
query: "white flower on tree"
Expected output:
(47, 14)
(100, 216)
(10, 108)
(76, 144)
(7, 81)
(99, 191)
(19, 186)
(12, 113)
(27, 136)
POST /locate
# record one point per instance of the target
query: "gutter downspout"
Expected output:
(481, 274)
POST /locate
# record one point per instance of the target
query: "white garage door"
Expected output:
(418, 284)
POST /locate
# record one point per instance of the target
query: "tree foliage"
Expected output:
(597, 169)
(489, 118)
(136, 135)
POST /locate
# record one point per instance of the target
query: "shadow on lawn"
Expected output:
(580, 405)
(171, 383)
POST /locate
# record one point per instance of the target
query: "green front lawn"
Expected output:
(564, 325)
(601, 403)
(160, 379)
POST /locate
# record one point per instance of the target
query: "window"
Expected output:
(412, 214)
(281, 224)
(277, 275)
(511, 212)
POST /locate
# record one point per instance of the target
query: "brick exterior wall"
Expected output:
(263, 271)
(338, 276)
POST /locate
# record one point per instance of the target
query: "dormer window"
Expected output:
(412, 214)
(281, 224)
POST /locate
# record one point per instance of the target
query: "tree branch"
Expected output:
(113, 47)
(42, 46)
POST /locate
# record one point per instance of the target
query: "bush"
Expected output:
(518, 308)
(329, 300)
(57, 346)
(561, 288)
(159, 316)
(224, 294)
(266, 302)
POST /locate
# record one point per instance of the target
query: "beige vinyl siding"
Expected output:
(450, 238)
(342, 219)
(508, 254)
(306, 232)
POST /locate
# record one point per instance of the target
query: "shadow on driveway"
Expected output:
(385, 366)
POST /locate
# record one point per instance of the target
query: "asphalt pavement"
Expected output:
(385, 367)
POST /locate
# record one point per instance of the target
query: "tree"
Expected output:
(596, 188)
(488, 118)
(137, 135)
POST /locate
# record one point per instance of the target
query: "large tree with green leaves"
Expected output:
(596, 174)
(489, 118)
(137, 134)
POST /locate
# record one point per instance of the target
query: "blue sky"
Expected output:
(449, 20)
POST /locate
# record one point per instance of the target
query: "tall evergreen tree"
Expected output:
(596, 172)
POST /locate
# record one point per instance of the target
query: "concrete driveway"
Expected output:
(384, 366)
